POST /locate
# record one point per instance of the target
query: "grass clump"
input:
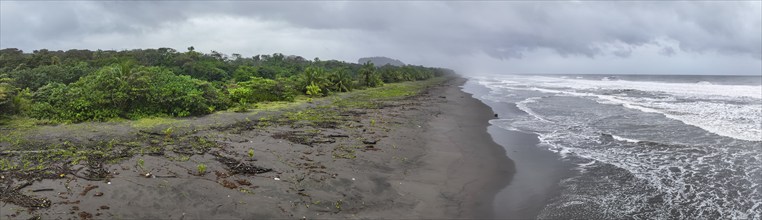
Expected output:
(201, 168)
(141, 163)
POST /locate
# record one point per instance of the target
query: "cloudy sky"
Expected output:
(605, 37)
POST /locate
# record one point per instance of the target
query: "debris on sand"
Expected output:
(85, 215)
(238, 167)
(298, 137)
(12, 195)
(87, 189)
(243, 182)
(228, 184)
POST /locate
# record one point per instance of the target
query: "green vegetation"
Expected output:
(141, 164)
(82, 85)
(251, 153)
(201, 168)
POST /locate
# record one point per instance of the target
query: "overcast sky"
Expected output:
(605, 37)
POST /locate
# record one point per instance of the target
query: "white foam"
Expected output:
(618, 138)
(523, 106)
(654, 166)
(741, 120)
(700, 90)
(504, 124)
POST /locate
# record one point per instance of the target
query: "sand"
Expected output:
(428, 156)
(538, 170)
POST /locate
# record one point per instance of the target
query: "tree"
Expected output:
(125, 91)
(206, 70)
(84, 85)
(11, 58)
(314, 76)
(40, 76)
(341, 80)
(7, 92)
(369, 76)
(244, 73)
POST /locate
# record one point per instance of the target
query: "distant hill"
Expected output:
(381, 61)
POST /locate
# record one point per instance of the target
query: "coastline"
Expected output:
(479, 165)
(463, 165)
(424, 156)
(538, 171)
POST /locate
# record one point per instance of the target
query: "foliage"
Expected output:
(341, 80)
(141, 163)
(84, 85)
(313, 90)
(125, 91)
(369, 76)
(314, 81)
(259, 89)
(7, 92)
(244, 73)
(201, 168)
(42, 75)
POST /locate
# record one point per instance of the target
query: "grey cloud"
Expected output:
(503, 30)
(667, 51)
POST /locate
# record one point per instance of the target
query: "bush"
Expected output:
(83, 85)
(259, 89)
(244, 73)
(40, 76)
(7, 92)
(127, 92)
(313, 90)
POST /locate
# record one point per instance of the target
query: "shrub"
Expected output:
(313, 90)
(201, 168)
(124, 91)
(260, 89)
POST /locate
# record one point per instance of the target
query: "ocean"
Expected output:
(686, 147)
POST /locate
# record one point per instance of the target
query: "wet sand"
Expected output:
(538, 170)
(427, 156)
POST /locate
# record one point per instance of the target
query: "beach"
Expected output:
(412, 155)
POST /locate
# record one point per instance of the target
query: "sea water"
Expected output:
(643, 146)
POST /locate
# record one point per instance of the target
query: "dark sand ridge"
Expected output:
(428, 156)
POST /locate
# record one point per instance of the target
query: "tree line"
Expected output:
(85, 85)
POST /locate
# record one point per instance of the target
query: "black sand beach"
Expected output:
(425, 156)
(538, 171)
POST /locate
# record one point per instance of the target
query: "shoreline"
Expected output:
(538, 171)
(477, 168)
(484, 167)
(423, 156)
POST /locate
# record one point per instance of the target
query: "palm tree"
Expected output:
(367, 71)
(315, 76)
(341, 80)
